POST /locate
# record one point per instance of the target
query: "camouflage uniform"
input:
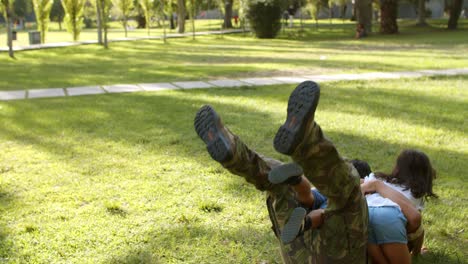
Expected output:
(343, 236)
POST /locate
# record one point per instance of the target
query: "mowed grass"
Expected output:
(329, 49)
(115, 31)
(123, 178)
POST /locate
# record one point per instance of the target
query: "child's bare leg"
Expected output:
(376, 254)
(396, 253)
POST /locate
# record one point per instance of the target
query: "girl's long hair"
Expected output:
(414, 171)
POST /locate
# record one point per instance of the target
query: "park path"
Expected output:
(77, 43)
(221, 83)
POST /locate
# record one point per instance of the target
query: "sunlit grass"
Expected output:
(123, 178)
(236, 56)
(116, 31)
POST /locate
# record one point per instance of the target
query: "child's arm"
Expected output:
(413, 216)
(415, 241)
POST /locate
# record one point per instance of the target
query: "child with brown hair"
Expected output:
(394, 200)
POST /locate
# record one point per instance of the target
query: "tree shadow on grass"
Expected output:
(185, 61)
(155, 121)
(165, 120)
(441, 256)
(195, 243)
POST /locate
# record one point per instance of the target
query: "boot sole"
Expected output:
(301, 108)
(293, 226)
(282, 173)
(209, 128)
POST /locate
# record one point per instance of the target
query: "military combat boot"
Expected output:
(300, 114)
(290, 173)
(209, 127)
(297, 224)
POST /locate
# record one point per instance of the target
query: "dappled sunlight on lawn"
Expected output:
(121, 177)
(234, 56)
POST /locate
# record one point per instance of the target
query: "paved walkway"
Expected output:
(171, 35)
(126, 88)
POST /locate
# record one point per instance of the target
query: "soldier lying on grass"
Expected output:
(342, 237)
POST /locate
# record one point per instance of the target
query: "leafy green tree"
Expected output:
(422, 13)
(21, 9)
(104, 8)
(228, 13)
(455, 11)
(265, 17)
(313, 7)
(140, 15)
(193, 9)
(243, 8)
(388, 16)
(226, 6)
(7, 7)
(73, 16)
(57, 13)
(90, 14)
(162, 11)
(364, 14)
(99, 21)
(125, 7)
(42, 10)
(147, 7)
(181, 13)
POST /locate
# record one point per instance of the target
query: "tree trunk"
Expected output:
(182, 12)
(105, 38)
(228, 14)
(99, 21)
(421, 13)
(353, 13)
(9, 33)
(388, 16)
(164, 24)
(364, 15)
(104, 21)
(172, 21)
(141, 21)
(125, 25)
(455, 11)
(193, 28)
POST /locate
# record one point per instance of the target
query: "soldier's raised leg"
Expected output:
(343, 236)
(227, 149)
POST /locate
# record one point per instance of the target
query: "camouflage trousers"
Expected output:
(343, 236)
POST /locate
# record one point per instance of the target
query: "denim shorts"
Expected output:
(320, 201)
(387, 224)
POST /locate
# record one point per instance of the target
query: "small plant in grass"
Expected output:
(30, 228)
(209, 207)
(265, 17)
(115, 208)
(42, 10)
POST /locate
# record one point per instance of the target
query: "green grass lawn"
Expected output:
(123, 178)
(328, 49)
(115, 31)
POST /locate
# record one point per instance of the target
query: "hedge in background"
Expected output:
(265, 17)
